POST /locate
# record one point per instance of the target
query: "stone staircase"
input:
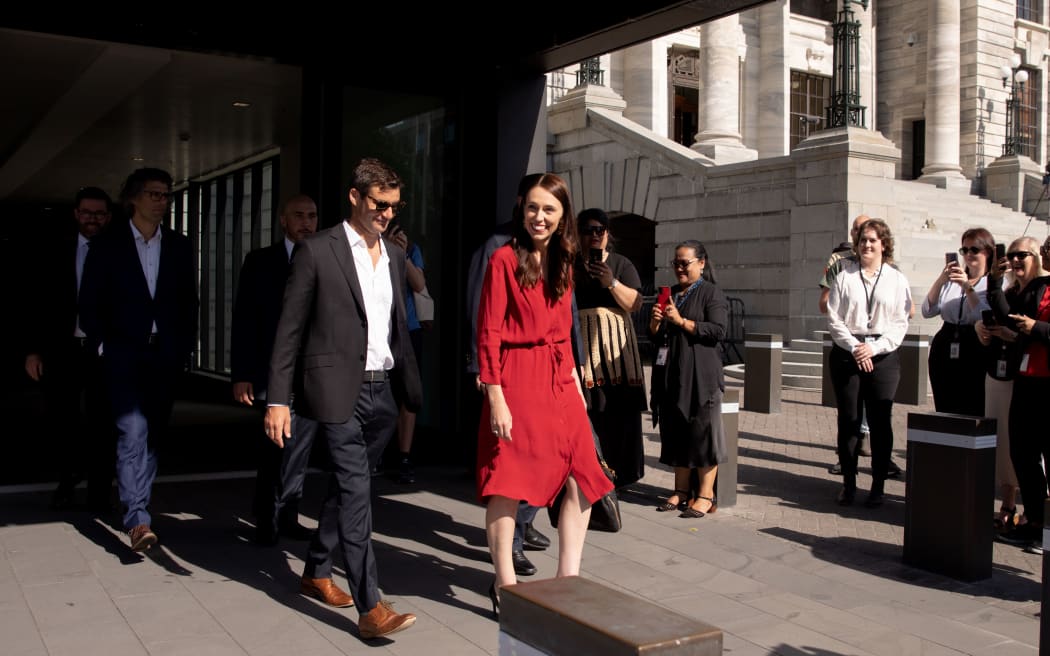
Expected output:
(928, 222)
(801, 365)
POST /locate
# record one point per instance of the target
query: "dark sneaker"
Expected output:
(892, 470)
(835, 469)
(406, 475)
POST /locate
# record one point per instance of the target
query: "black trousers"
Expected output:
(346, 514)
(78, 408)
(1030, 443)
(876, 390)
(281, 473)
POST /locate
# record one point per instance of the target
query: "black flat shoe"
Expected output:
(683, 502)
(533, 540)
(846, 496)
(522, 565)
(494, 596)
(874, 500)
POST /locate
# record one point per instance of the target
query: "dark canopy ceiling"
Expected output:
(84, 97)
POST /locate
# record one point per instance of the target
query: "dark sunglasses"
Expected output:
(972, 250)
(598, 230)
(1020, 255)
(382, 205)
(681, 264)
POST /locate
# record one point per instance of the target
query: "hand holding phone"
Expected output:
(951, 258)
(664, 297)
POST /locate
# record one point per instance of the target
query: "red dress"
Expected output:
(524, 345)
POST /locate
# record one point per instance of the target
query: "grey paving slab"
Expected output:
(785, 571)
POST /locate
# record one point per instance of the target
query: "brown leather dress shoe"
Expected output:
(327, 591)
(382, 620)
(142, 538)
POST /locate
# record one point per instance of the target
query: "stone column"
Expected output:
(867, 62)
(719, 135)
(773, 79)
(645, 85)
(942, 96)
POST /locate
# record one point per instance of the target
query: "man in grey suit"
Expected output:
(343, 319)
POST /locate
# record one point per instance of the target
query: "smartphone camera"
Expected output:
(988, 318)
(951, 258)
(595, 256)
(1000, 251)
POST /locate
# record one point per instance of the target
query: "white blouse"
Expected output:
(951, 299)
(859, 305)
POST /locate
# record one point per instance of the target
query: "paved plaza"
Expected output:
(785, 571)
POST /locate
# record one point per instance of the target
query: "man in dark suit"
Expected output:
(138, 300)
(260, 289)
(57, 357)
(342, 344)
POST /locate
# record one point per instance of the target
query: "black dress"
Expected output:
(616, 399)
(687, 390)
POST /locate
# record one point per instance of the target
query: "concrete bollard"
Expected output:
(1044, 601)
(914, 353)
(951, 480)
(827, 390)
(572, 616)
(726, 481)
(763, 368)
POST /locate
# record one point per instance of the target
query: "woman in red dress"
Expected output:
(534, 438)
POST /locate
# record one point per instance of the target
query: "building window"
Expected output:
(821, 9)
(1030, 10)
(226, 217)
(809, 96)
(1028, 110)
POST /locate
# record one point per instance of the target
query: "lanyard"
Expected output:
(684, 297)
(870, 298)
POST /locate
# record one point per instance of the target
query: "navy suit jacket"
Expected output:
(116, 309)
(256, 311)
(52, 305)
(324, 324)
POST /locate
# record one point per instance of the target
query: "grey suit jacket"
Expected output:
(324, 324)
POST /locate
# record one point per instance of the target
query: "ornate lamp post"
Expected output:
(845, 108)
(590, 72)
(1014, 79)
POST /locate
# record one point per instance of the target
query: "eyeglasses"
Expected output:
(382, 205)
(972, 250)
(598, 230)
(681, 264)
(100, 214)
(1020, 255)
(157, 195)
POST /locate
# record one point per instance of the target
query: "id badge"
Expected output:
(1024, 363)
(953, 351)
(869, 339)
(661, 356)
(1000, 369)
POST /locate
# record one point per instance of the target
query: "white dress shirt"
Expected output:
(82, 251)
(378, 295)
(954, 307)
(289, 245)
(149, 258)
(859, 305)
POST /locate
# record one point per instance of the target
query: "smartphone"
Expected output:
(664, 297)
(951, 258)
(988, 318)
(595, 256)
(1000, 251)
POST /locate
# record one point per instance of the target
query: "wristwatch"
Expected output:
(613, 284)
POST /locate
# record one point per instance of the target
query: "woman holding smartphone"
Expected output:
(608, 290)
(956, 362)
(687, 381)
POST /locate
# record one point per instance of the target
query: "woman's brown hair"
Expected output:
(562, 248)
(882, 231)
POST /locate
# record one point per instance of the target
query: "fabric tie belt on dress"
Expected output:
(556, 355)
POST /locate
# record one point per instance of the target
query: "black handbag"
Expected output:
(605, 512)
